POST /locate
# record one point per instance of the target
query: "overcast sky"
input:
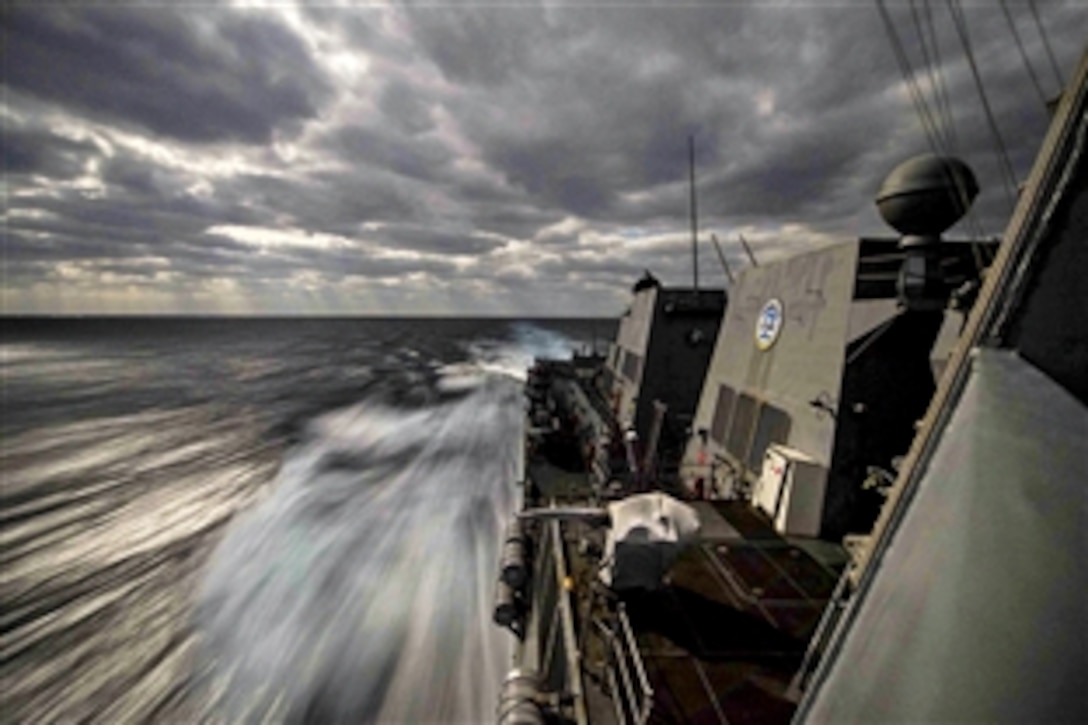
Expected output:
(476, 158)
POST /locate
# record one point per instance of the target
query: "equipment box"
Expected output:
(790, 491)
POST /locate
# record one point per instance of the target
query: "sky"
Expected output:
(482, 158)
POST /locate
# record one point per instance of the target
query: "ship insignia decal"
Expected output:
(769, 324)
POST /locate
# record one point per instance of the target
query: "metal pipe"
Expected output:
(625, 626)
(721, 258)
(519, 703)
(748, 250)
(655, 435)
(694, 215)
(512, 566)
(591, 515)
(507, 608)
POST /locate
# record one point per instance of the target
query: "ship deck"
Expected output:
(723, 640)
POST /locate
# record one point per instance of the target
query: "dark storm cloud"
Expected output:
(133, 180)
(465, 132)
(478, 46)
(799, 174)
(628, 89)
(350, 265)
(387, 149)
(88, 232)
(406, 108)
(556, 172)
(201, 77)
(141, 198)
(634, 84)
(332, 264)
(336, 202)
(517, 220)
(141, 211)
(39, 152)
(431, 240)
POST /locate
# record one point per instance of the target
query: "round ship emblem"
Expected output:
(769, 324)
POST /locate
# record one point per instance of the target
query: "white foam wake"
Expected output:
(360, 589)
(511, 358)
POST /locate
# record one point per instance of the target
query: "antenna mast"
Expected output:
(721, 258)
(751, 257)
(694, 224)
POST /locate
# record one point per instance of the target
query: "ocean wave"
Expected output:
(361, 588)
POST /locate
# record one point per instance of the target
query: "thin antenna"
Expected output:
(721, 258)
(694, 215)
(748, 249)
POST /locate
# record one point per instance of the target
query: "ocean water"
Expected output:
(259, 519)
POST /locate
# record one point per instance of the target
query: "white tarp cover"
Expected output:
(980, 606)
(648, 532)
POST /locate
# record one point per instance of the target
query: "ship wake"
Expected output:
(360, 588)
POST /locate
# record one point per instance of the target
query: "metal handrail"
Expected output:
(634, 700)
(640, 669)
(626, 696)
(566, 613)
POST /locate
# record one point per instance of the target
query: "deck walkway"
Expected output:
(722, 641)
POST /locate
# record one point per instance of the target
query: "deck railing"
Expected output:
(560, 658)
(626, 673)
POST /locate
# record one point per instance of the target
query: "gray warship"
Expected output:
(850, 488)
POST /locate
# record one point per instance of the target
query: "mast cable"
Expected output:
(944, 105)
(938, 143)
(928, 64)
(928, 125)
(1009, 175)
(1023, 53)
(942, 87)
(975, 228)
(1046, 44)
(694, 216)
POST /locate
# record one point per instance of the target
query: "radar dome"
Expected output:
(927, 194)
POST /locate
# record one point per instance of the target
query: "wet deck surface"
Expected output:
(723, 640)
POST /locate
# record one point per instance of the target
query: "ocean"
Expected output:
(248, 519)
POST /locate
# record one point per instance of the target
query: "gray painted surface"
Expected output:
(633, 337)
(816, 291)
(978, 609)
(657, 329)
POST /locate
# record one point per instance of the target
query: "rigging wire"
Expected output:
(1023, 53)
(943, 100)
(938, 143)
(933, 136)
(928, 41)
(928, 64)
(944, 105)
(1046, 44)
(1009, 176)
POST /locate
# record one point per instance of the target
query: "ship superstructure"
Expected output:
(970, 598)
(820, 363)
(746, 585)
(655, 367)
